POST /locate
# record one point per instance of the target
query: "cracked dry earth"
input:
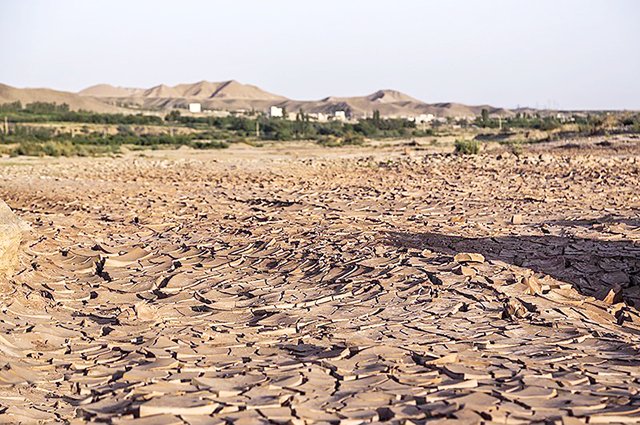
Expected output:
(434, 289)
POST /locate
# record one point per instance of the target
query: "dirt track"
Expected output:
(325, 289)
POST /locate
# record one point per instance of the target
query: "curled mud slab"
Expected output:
(325, 291)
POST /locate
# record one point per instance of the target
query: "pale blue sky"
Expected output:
(562, 54)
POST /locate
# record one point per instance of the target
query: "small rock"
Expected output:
(145, 312)
(617, 278)
(465, 270)
(140, 312)
(11, 228)
(514, 308)
(614, 296)
(184, 405)
(533, 287)
(517, 219)
(466, 257)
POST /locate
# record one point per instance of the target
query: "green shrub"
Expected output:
(349, 139)
(467, 147)
(353, 139)
(60, 148)
(209, 144)
(515, 147)
(329, 141)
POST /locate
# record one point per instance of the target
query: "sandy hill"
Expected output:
(390, 96)
(107, 90)
(163, 95)
(232, 95)
(390, 103)
(76, 102)
(161, 91)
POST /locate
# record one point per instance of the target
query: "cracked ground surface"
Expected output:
(325, 290)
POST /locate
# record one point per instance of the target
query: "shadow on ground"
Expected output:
(592, 266)
(608, 219)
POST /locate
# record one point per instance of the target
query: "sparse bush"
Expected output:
(515, 147)
(172, 116)
(353, 139)
(467, 147)
(209, 144)
(350, 139)
(329, 141)
(60, 148)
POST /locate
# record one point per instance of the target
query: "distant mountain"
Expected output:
(10, 94)
(204, 90)
(391, 96)
(390, 103)
(232, 95)
(106, 90)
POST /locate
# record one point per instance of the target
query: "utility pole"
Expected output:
(257, 129)
(6, 126)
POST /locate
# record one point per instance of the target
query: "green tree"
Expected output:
(485, 116)
(172, 116)
(376, 117)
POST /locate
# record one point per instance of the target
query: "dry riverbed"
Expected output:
(305, 285)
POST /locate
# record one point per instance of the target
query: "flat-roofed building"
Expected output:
(275, 111)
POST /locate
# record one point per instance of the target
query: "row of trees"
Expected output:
(44, 111)
(589, 124)
(301, 128)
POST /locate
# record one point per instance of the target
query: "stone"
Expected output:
(177, 405)
(465, 257)
(11, 229)
(613, 296)
(533, 287)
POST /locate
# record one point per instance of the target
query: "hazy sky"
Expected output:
(562, 53)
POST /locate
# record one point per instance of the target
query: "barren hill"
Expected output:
(180, 95)
(76, 102)
(232, 95)
(390, 103)
(107, 90)
(390, 96)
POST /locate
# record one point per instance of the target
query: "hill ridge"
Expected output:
(232, 95)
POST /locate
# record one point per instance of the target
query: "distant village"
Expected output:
(338, 115)
(346, 116)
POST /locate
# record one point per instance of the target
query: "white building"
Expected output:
(340, 115)
(275, 111)
(219, 114)
(195, 108)
(424, 118)
(318, 116)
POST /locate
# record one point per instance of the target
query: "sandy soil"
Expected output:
(302, 285)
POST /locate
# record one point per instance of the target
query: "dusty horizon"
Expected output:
(139, 90)
(572, 55)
